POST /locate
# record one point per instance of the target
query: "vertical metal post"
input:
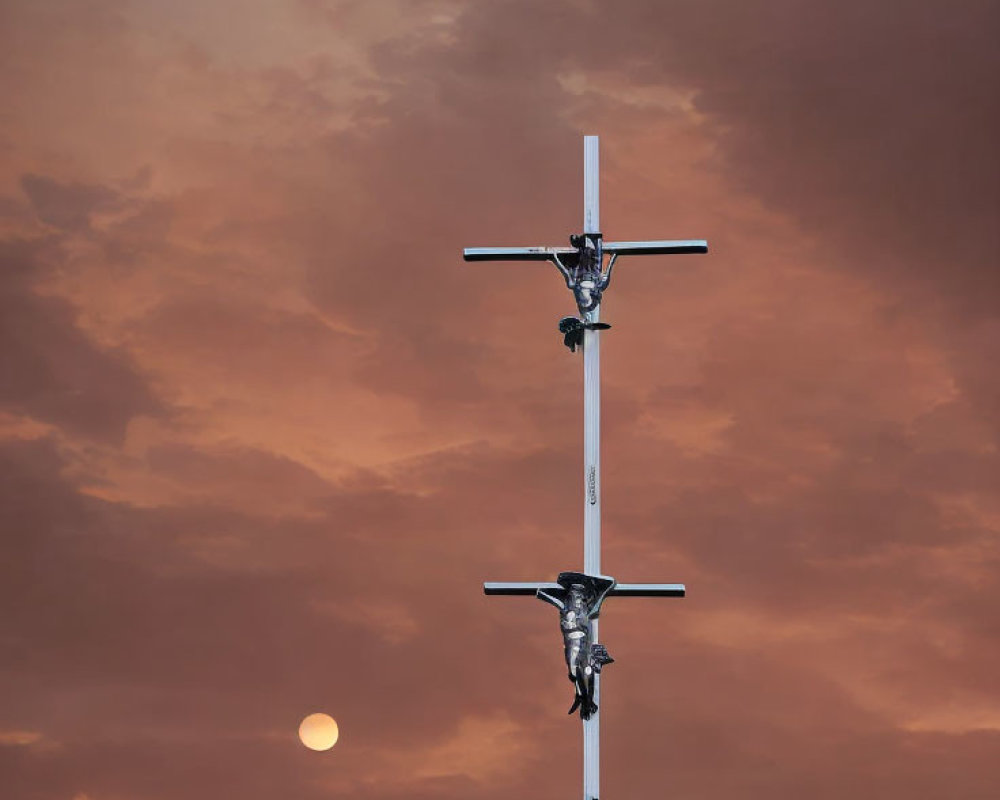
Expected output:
(591, 410)
(591, 185)
(592, 460)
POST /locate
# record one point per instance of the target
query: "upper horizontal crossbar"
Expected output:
(664, 247)
(656, 248)
(621, 589)
(516, 253)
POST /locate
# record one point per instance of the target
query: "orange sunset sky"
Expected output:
(263, 433)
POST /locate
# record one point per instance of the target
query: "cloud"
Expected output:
(53, 371)
(66, 206)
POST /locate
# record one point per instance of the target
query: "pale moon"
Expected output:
(319, 732)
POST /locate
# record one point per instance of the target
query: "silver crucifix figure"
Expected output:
(579, 599)
(579, 596)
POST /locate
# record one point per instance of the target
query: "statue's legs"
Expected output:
(581, 673)
(574, 661)
(587, 681)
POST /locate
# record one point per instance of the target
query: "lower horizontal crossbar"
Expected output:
(620, 590)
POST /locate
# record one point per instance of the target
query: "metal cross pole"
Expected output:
(579, 595)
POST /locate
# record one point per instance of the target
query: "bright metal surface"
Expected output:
(650, 590)
(659, 247)
(515, 253)
(591, 185)
(529, 589)
(665, 247)
(592, 457)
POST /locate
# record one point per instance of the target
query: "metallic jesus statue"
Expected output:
(584, 271)
(579, 599)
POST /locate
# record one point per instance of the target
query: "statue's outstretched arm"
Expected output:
(542, 594)
(604, 586)
(606, 277)
(567, 276)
